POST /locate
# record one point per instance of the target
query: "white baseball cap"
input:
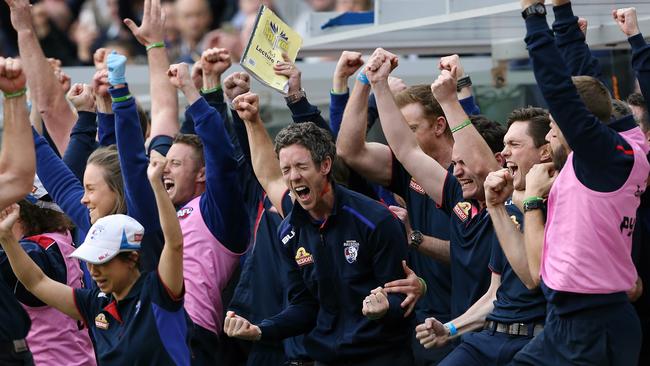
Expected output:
(109, 236)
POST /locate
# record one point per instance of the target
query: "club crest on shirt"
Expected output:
(351, 250)
(416, 187)
(184, 212)
(303, 257)
(462, 210)
(101, 322)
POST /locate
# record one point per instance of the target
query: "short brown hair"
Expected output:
(620, 109)
(194, 142)
(595, 96)
(422, 95)
(539, 122)
(317, 140)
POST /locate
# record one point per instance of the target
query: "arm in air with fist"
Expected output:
(629, 25)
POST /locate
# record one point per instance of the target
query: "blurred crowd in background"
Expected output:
(71, 30)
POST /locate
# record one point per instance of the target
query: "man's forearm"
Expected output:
(17, 157)
(164, 97)
(45, 90)
(474, 317)
(512, 243)
(435, 248)
(534, 240)
(352, 134)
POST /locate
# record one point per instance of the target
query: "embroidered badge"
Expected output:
(101, 322)
(416, 187)
(462, 210)
(351, 250)
(303, 257)
(184, 212)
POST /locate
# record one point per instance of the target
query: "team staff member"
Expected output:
(17, 168)
(509, 313)
(461, 194)
(607, 171)
(44, 233)
(262, 288)
(340, 245)
(136, 318)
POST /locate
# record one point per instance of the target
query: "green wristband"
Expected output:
(211, 90)
(156, 45)
(17, 94)
(531, 199)
(466, 123)
(424, 285)
(122, 99)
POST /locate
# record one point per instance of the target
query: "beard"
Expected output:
(559, 155)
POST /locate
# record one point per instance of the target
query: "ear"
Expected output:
(326, 166)
(439, 126)
(200, 176)
(500, 159)
(545, 154)
(135, 257)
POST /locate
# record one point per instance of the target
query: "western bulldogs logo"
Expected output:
(184, 212)
(351, 250)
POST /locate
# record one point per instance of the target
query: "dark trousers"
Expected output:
(208, 349)
(606, 335)
(398, 357)
(9, 357)
(488, 348)
(431, 356)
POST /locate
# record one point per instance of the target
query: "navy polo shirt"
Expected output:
(515, 303)
(472, 238)
(431, 220)
(335, 264)
(147, 327)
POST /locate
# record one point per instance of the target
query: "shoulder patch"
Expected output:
(184, 212)
(462, 210)
(416, 187)
(303, 257)
(43, 241)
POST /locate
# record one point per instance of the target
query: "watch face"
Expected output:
(540, 9)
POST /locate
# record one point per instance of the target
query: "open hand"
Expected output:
(152, 29)
(409, 286)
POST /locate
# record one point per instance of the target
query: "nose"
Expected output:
(549, 134)
(92, 269)
(294, 174)
(506, 151)
(84, 199)
(458, 171)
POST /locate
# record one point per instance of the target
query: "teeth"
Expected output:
(301, 189)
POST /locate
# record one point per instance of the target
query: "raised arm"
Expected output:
(263, 157)
(371, 160)
(53, 293)
(45, 89)
(103, 101)
(469, 145)
(83, 135)
(17, 159)
(130, 144)
(498, 189)
(571, 42)
(427, 171)
(627, 21)
(432, 333)
(170, 267)
(164, 97)
(348, 64)
(221, 206)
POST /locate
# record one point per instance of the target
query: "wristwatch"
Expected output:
(293, 98)
(536, 9)
(463, 82)
(534, 204)
(415, 239)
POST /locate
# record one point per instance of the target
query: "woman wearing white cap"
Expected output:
(136, 318)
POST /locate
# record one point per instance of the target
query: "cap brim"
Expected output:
(93, 254)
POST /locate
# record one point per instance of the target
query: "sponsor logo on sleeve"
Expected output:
(462, 210)
(416, 187)
(288, 237)
(101, 322)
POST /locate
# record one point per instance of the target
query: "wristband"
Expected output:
(155, 45)
(121, 99)
(424, 285)
(466, 123)
(533, 198)
(17, 94)
(452, 329)
(363, 78)
(211, 90)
